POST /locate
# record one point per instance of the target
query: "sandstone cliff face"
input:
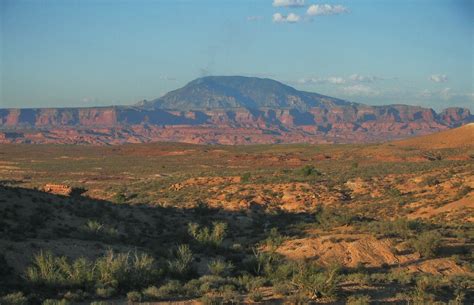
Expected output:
(228, 110)
(115, 125)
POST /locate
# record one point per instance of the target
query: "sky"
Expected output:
(95, 53)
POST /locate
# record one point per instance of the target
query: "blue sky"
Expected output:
(86, 53)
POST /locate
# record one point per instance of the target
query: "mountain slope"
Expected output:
(223, 92)
(454, 138)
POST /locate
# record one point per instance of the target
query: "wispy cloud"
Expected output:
(254, 18)
(326, 9)
(340, 80)
(336, 80)
(438, 78)
(360, 90)
(364, 78)
(288, 3)
(290, 18)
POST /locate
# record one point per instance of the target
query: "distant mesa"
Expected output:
(228, 110)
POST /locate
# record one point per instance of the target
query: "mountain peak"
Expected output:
(223, 92)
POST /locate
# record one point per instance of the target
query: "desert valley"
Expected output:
(288, 152)
(387, 223)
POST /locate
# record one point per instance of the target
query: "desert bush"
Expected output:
(316, 282)
(105, 292)
(192, 288)
(95, 230)
(220, 268)
(401, 276)
(48, 270)
(120, 198)
(125, 270)
(331, 217)
(298, 298)
(230, 296)
(182, 262)
(430, 181)
(211, 300)
(245, 177)
(113, 270)
(17, 298)
(74, 296)
(282, 288)
(274, 239)
(134, 296)
(55, 302)
(427, 243)
(400, 227)
(358, 300)
(207, 236)
(359, 278)
(171, 289)
(255, 295)
(421, 295)
(309, 170)
(152, 293)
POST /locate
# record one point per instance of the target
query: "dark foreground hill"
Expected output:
(228, 110)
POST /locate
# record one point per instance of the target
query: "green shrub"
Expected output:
(282, 288)
(125, 270)
(220, 268)
(57, 272)
(99, 303)
(358, 300)
(211, 300)
(316, 282)
(105, 292)
(309, 170)
(245, 177)
(152, 293)
(120, 198)
(16, 298)
(55, 302)
(298, 298)
(207, 236)
(331, 217)
(171, 289)
(256, 295)
(113, 270)
(134, 296)
(427, 243)
(74, 296)
(400, 227)
(182, 262)
(95, 230)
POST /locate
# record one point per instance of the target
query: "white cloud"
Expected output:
(364, 78)
(336, 80)
(339, 80)
(291, 18)
(445, 94)
(360, 90)
(288, 3)
(439, 78)
(326, 9)
(254, 18)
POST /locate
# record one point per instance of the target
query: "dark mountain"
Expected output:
(223, 92)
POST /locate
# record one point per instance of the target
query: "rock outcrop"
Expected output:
(228, 110)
